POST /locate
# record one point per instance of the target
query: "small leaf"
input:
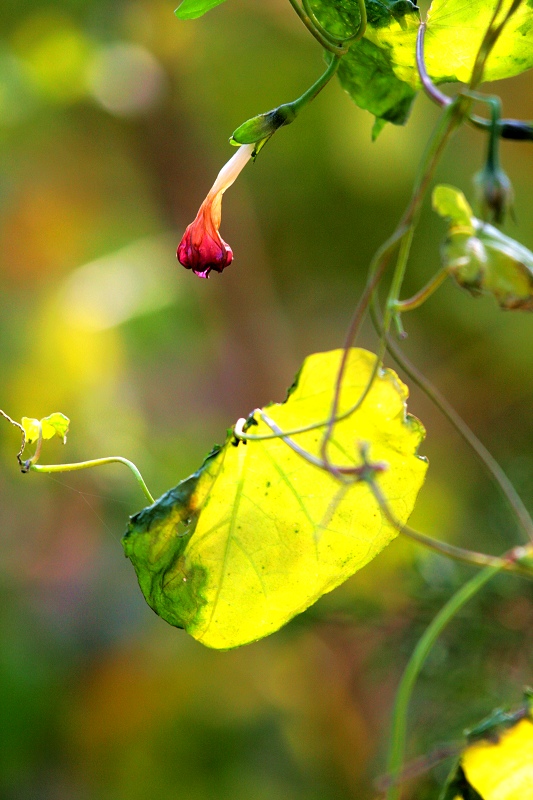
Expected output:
(31, 429)
(56, 424)
(192, 9)
(258, 534)
(450, 203)
(480, 257)
(368, 71)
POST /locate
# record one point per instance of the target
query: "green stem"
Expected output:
(445, 549)
(414, 666)
(420, 297)
(487, 460)
(297, 105)
(307, 21)
(97, 462)
(337, 40)
(451, 118)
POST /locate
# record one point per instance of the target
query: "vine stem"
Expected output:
(360, 474)
(417, 661)
(422, 295)
(449, 121)
(342, 42)
(487, 460)
(317, 86)
(445, 549)
(308, 22)
(96, 462)
(21, 429)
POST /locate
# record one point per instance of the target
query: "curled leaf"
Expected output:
(258, 533)
(481, 258)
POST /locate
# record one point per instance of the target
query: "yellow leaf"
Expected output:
(258, 534)
(503, 770)
(31, 429)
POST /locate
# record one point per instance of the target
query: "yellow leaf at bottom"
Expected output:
(258, 534)
(503, 770)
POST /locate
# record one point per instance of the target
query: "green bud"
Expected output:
(263, 126)
(495, 193)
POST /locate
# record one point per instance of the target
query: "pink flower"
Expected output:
(202, 249)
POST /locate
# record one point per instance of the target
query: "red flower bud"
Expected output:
(202, 249)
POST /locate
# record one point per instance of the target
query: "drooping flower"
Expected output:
(202, 249)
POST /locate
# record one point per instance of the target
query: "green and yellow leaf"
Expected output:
(380, 71)
(258, 534)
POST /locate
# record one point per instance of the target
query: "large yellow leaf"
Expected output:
(258, 534)
(455, 29)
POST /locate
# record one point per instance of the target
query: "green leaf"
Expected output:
(367, 74)
(480, 257)
(258, 534)
(56, 424)
(192, 9)
(367, 71)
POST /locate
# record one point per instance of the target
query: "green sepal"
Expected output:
(263, 126)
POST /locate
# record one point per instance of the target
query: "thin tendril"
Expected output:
(326, 44)
(97, 462)
(338, 40)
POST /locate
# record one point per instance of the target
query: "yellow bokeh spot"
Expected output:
(55, 54)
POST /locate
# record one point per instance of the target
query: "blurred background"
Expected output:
(114, 120)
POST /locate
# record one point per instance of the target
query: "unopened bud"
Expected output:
(263, 126)
(495, 193)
